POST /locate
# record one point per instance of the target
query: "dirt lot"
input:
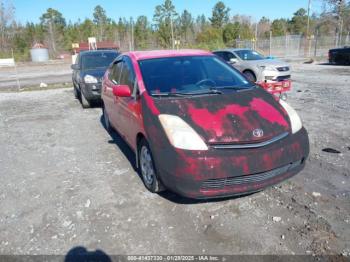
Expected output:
(65, 182)
(33, 74)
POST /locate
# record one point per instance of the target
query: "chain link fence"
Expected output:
(295, 45)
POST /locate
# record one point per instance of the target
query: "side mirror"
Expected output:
(233, 60)
(75, 67)
(121, 90)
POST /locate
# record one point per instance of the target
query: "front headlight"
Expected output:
(293, 117)
(180, 134)
(90, 79)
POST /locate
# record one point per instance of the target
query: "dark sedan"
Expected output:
(339, 56)
(88, 72)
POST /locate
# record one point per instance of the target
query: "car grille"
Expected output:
(246, 179)
(283, 68)
(249, 145)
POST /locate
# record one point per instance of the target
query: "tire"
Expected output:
(250, 76)
(106, 120)
(76, 92)
(147, 168)
(84, 102)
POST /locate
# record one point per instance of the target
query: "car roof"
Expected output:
(143, 55)
(232, 49)
(98, 51)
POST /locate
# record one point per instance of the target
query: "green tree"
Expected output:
(202, 22)
(220, 15)
(264, 27)
(298, 23)
(54, 24)
(210, 38)
(186, 25)
(85, 30)
(142, 32)
(101, 20)
(231, 33)
(279, 27)
(164, 17)
(6, 21)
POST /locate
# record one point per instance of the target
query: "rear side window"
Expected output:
(227, 56)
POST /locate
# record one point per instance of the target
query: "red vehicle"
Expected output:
(198, 127)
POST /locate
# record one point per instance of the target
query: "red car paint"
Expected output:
(276, 87)
(219, 121)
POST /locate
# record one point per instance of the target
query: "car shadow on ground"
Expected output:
(81, 254)
(170, 196)
(329, 64)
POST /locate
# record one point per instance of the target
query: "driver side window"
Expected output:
(116, 72)
(128, 76)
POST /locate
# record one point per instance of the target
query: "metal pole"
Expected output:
(17, 79)
(308, 28)
(256, 35)
(341, 31)
(316, 40)
(308, 19)
(132, 35)
(172, 32)
(286, 45)
(270, 43)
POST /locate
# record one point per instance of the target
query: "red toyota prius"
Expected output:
(198, 127)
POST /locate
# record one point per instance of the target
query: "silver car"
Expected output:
(255, 66)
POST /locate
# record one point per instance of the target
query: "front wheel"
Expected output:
(250, 76)
(84, 102)
(76, 92)
(147, 169)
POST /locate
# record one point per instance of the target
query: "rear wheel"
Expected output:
(106, 120)
(147, 168)
(250, 76)
(84, 102)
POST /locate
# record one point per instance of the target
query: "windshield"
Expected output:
(249, 55)
(97, 60)
(189, 75)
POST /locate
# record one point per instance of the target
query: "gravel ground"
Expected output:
(65, 182)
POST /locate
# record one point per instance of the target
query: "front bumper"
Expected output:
(220, 173)
(91, 91)
(275, 75)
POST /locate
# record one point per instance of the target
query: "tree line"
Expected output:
(167, 29)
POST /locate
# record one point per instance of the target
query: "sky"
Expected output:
(72, 10)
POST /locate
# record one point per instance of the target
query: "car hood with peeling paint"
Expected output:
(230, 118)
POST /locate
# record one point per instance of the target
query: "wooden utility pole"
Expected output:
(308, 29)
(172, 32)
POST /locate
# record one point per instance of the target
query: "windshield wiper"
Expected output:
(233, 87)
(165, 94)
(181, 94)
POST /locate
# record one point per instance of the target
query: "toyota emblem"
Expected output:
(258, 132)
